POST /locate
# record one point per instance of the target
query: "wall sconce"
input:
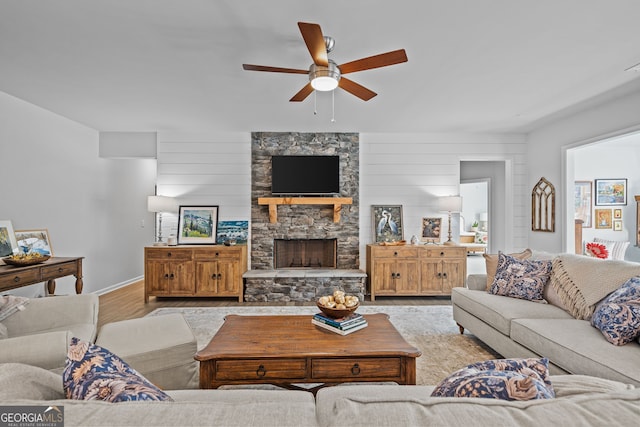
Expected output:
(450, 204)
(160, 205)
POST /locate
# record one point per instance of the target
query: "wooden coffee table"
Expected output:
(289, 350)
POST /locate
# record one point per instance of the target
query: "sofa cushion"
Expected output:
(523, 279)
(581, 282)
(499, 311)
(506, 379)
(491, 263)
(577, 347)
(21, 381)
(3, 331)
(92, 372)
(618, 315)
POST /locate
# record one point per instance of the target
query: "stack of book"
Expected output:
(343, 326)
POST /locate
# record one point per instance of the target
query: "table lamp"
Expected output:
(450, 204)
(160, 205)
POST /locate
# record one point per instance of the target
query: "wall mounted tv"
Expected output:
(305, 175)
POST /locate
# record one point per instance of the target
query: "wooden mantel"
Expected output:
(273, 203)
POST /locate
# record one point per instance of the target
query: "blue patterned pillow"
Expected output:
(618, 315)
(521, 278)
(505, 379)
(94, 373)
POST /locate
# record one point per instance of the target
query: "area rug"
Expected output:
(429, 328)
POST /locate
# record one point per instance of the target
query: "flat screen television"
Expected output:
(305, 175)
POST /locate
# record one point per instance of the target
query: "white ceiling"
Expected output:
(176, 65)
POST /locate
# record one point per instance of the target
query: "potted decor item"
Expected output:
(474, 226)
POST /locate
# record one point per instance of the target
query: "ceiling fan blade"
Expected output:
(376, 61)
(250, 67)
(302, 94)
(356, 89)
(312, 35)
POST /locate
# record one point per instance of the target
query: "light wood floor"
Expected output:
(128, 303)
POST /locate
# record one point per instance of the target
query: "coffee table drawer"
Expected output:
(366, 368)
(256, 369)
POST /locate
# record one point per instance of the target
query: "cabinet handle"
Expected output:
(397, 275)
(166, 276)
(16, 279)
(213, 276)
(393, 275)
(261, 372)
(171, 276)
(355, 369)
(395, 253)
(441, 253)
(219, 276)
(217, 254)
(439, 274)
(168, 253)
(444, 275)
(60, 269)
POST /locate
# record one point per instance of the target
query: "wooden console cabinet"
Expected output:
(194, 271)
(415, 270)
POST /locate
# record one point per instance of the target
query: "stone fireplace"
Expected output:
(299, 277)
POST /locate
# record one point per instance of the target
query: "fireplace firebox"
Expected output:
(305, 253)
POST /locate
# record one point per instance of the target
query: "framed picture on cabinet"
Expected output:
(582, 202)
(8, 243)
(431, 230)
(197, 225)
(387, 223)
(34, 241)
(603, 218)
(611, 192)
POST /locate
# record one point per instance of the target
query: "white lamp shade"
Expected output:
(450, 203)
(161, 204)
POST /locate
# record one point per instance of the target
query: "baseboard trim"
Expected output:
(118, 286)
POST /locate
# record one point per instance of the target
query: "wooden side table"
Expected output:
(16, 277)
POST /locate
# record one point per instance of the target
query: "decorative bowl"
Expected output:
(22, 262)
(337, 313)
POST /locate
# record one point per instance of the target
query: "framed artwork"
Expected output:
(229, 231)
(617, 225)
(387, 223)
(582, 202)
(603, 218)
(8, 243)
(34, 241)
(197, 225)
(611, 192)
(617, 214)
(431, 230)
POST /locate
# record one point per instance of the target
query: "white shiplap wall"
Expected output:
(411, 170)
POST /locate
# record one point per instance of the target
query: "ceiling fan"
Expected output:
(326, 75)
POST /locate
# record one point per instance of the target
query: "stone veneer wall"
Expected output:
(304, 221)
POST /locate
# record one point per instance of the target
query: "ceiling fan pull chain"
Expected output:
(333, 106)
(315, 103)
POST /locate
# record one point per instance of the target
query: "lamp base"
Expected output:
(450, 243)
(160, 244)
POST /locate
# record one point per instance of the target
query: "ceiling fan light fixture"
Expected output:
(324, 79)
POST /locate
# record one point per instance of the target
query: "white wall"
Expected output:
(53, 178)
(546, 152)
(411, 170)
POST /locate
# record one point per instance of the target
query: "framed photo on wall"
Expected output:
(431, 230)
(582, 205)
(611, 192)
(8, 243)
(34, 241)
(197, 225)
(617, 214)
(617, 225)
(603, 218)
(387, 223)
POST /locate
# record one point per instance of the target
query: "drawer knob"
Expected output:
(395, 253)
(355, 369)
(441, 253)
(166, 276)
(168, 253)
(16, 279)
(60, 269)
(217, 254)
(171, 276)
(261, 372)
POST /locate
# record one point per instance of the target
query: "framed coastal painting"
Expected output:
(582, 205)
(611, 192)
(387, 223)
(8, 243)
(197, 225)
(603, 218)
(233, 232)
(431, 230)
(34, 241)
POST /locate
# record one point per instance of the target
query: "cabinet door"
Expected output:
(453, 272)
(207, 278)
(154, 278)
(407, 279)
(382, 280)
(431, 277)
(229, 277)
(180, 278)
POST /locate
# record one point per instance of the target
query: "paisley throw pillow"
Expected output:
(618, 315)
(94, 373)
(505, 379)
(523, 279)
